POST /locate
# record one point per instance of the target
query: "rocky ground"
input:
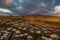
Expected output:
(22, 29)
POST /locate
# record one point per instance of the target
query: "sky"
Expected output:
(32, 7)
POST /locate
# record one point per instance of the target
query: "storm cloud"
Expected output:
(33, 7)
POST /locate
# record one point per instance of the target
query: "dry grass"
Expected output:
(52, 19)
(31, 18)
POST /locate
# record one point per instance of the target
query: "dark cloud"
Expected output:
(33, 7)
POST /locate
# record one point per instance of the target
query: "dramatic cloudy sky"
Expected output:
(32, 7)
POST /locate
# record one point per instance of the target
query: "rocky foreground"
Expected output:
(22, 29)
